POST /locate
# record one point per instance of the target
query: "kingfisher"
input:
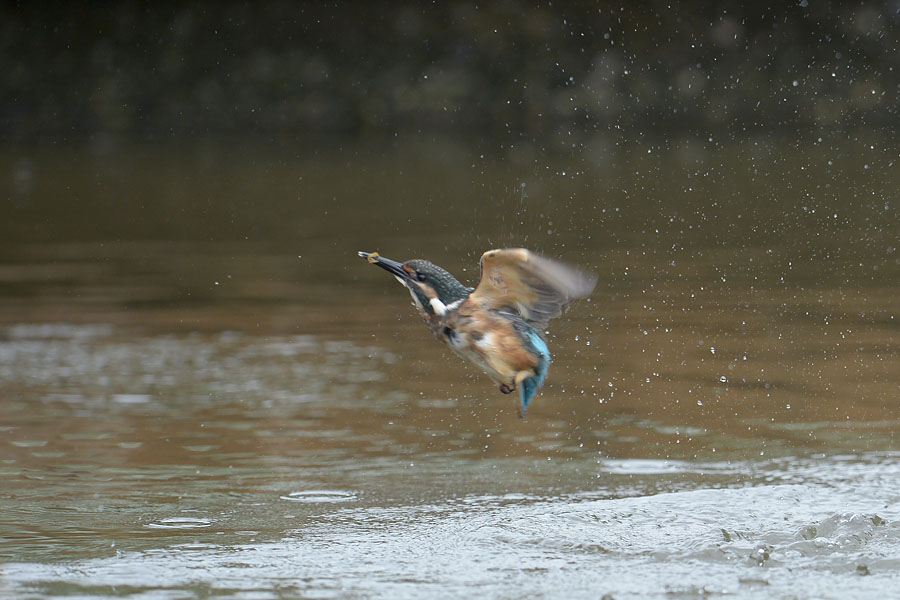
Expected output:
(498, 325)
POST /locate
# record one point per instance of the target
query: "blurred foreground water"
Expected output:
(206, 392)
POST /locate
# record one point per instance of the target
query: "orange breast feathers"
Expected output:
(495, 339)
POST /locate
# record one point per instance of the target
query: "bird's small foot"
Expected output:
(522, 416)
(506, 388)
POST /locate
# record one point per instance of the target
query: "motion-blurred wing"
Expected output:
(537, 288)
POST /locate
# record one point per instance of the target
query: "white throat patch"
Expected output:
(439, 308)
(414, 297)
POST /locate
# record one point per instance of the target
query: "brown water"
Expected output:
(206, 392)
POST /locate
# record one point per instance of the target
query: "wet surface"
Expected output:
(216, 396)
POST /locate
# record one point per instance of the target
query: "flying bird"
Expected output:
(498, 325)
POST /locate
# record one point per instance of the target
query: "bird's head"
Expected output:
(431, 287)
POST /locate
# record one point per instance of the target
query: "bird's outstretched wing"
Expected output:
(538, 288)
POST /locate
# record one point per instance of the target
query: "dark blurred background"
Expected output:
(250, 121)
(314, 130)
(556, 74)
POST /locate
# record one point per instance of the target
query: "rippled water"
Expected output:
(188, 413)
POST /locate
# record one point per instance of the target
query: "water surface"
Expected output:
(206, 392)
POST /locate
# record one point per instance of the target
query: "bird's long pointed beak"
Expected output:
(391, 266)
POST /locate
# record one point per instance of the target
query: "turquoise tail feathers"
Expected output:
(528, 391)
(529, 387)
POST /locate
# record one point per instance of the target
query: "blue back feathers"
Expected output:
(530, 386)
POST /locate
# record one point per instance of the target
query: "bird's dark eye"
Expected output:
(420, 276)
